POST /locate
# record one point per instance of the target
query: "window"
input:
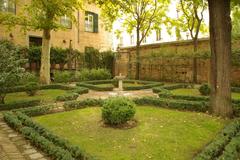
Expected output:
(132, 40)
(66, 22)
(8, 6)
(158, 35)
(91, 22)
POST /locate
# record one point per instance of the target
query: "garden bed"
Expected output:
(160, 133)
(109, 85)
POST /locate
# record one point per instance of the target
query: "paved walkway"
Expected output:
(14, 146)
(129, 94)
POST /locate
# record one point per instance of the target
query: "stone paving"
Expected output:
(129, 94)
(14, 146)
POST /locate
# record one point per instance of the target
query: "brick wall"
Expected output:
(168, 68)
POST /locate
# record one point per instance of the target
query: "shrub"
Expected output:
(67, 97)
(28, 78)
(19, 104)
(63, 76)
(205, 90)
(118, 110)
(81, 90)
(163, 93)
(216, 147)
(92, 74)
(82, 104)
(35, 111)
(32, 88)
(95, 87)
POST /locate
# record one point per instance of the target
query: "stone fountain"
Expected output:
(120, 79)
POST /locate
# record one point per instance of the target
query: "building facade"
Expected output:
(88, 31)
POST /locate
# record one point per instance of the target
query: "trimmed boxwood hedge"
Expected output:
(72, 95)
(71, 105)
(169, 87)
(36, 111)
(173, 104)
(54, 146)
(19, 104)
(93, 84)
(219, 148)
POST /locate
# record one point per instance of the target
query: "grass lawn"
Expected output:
(195, 92)
(46, 96)
(160, 133)
(105, 85)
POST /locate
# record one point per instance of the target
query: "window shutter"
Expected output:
(95, 21)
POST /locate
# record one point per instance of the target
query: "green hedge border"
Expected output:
(19, 104)
(93, 84)
(37, 135)
(219, 147)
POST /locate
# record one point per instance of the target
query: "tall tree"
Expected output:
(191, 19)
(43, 15)
(220, 39)
(140, 16)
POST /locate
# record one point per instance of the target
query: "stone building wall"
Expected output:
(171, 68)
(77, 34)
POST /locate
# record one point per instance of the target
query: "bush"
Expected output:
(173, 104)
(163, 93)
(35, 111)
(19, 104)
(216, 147)
(205, 90)
(92, 74)
(32, 88)
(28, 78)
(81, 90)
(63, 76)
(67, 97)
(82, 104)
(118, 110)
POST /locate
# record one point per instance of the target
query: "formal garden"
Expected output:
(58, 103)
(140, 119)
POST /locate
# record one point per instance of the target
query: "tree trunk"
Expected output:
(220, 39)
(137, 76)
(2, 99)
(45, 58)
(195, 45)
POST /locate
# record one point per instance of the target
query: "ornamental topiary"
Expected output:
(118, 110)
(32, 88)
(205, 90)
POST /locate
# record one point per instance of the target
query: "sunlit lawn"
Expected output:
(195, 92)
(160, 133)
(46, 96)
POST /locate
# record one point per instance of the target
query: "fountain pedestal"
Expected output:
(120, 79)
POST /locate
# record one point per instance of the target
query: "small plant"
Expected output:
(164, 93)
(118, 110)
(32, 88)
(205, 90)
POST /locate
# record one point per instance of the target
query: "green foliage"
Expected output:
(82, 104)
(28, 77)
(19, 104)
(63, 76)
(34, 54)
(173, 104)
(96, 87)
(36, 110)
(92, 74)
(59, 55)
(191, 17)
(118, 110)
(32, 88)
(217, 146)
(164, 93)
(68, 97)
(205, 90)
(236, 21)
(11, 70)
(93, 58)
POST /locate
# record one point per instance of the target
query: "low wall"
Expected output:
(170, 69)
